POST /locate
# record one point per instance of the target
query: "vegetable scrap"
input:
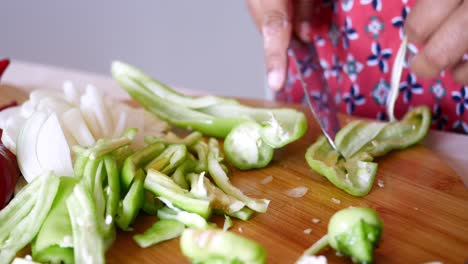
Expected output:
(380, 183)
(297, 192)
(267, 179)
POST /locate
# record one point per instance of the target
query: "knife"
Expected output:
(316, 90)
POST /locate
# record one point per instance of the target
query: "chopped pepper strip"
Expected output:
(21, 232)
(219, 200)
(216, 118)
(54, 242)
(171, 138)
(360, 142)
(138, 160)
(162, 185)
(162, 230)
(189, 219)
(221, 179)
(132, 202)
(179, 176)
(88, 242)
(218, 246)
(253, 152)
(168, 161)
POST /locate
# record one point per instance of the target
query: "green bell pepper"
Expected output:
(214, 117)
(132, 202)
(22, 218)
(160, 231)
(351, 168)
(170, 212)
(163, 186)
(88, 241)
(138, 160)
(54, 242)
(203, 188)
(253, 152)
(221, 179)
(179, 176)
(171, 138)
(168, 161)
(218, 246)
(353, 232)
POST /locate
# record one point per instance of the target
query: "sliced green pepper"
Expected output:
(168, 161)
(162, 185)
(243, 214)
(215, 116)
(218, 246)
(190, 140)
(88, 242)
(353, 232)
(171, 212)
(151, 205)
(201, 148)
(202, 187)
(221, 179)
(132, 202)
(54, 242)
(17, 234)
(138, 160)
(162, 230)
(245, 148)
(179, 176)
(358, 143)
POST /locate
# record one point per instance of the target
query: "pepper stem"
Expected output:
(316, 247)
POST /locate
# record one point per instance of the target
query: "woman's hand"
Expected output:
(276, 19)
(441, 27)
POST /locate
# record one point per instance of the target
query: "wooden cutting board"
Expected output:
(423, 203)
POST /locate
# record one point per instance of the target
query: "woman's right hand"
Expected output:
(277, 19)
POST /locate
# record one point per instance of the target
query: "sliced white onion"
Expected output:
(71, 94)
(5, 114)
(27, 146)
(53, 151)
(53, 105)
(297, 192)
(76, 125)
(93, 100)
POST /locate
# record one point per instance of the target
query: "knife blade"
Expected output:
(316, 90)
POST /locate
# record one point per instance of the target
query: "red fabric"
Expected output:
(357, 41)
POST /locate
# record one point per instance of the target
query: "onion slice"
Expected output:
(52, 150)
(27, 146)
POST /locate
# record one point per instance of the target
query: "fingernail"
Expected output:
(275, 80)
(304, 31)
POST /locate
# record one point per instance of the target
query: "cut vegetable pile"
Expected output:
(50, 122)
(94, 164)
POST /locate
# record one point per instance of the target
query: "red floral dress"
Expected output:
(357, 41)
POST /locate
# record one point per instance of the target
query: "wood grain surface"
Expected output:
(423, 204)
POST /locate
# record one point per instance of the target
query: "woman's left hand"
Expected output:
(441, 28)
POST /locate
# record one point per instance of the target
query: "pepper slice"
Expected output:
(213, 116)
(218, 246)
(360, 142)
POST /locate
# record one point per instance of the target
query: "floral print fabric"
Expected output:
(357, 41)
